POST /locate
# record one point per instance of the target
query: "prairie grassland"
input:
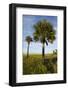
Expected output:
(35, 64)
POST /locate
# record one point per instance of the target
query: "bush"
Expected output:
(36, 65)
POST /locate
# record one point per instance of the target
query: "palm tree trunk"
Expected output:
(28, 50)
(43, 51)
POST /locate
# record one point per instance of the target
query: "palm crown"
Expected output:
(44, 32)
(28, 39)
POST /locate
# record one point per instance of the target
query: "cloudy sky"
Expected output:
(27, 30)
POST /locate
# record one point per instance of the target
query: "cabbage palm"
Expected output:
(28, 40)
(44, 33)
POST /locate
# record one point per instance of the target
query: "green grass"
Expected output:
(34, 64)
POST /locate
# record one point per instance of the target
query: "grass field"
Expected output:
(34, 64)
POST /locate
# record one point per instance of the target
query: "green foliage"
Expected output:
(44, 32)
(55, 51)
(28, 39)
(35, 65)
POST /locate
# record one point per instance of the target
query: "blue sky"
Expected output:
(36, 47)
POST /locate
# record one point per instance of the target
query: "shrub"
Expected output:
(35, 65)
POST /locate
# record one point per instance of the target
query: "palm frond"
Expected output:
(44, 32)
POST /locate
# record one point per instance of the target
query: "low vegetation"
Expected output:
(34, 64)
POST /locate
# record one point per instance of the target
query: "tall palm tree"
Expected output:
(28, 40)
(44, 32)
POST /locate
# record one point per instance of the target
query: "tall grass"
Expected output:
(34, 64)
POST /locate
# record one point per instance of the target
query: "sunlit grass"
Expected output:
(35, 64)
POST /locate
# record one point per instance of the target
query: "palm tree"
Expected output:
(44, 33)
(28, 40)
